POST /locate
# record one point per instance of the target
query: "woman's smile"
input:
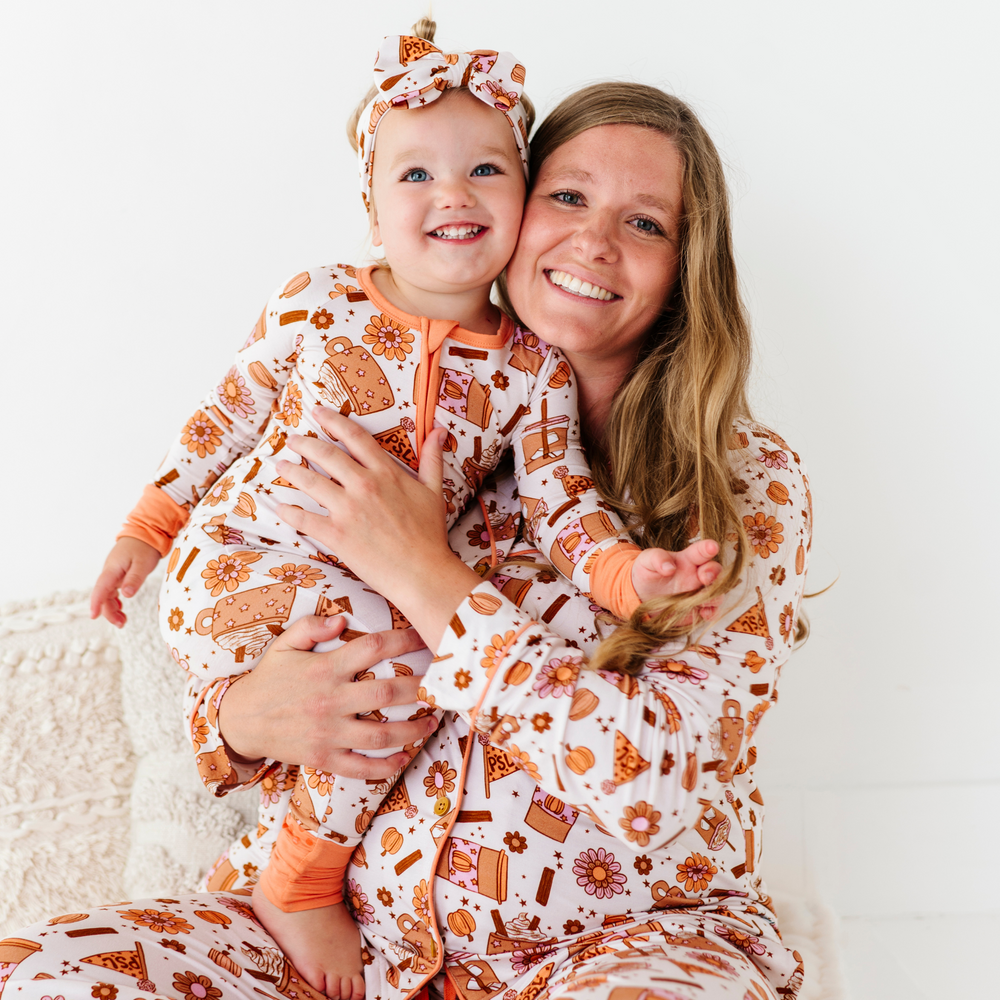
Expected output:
(597, 256)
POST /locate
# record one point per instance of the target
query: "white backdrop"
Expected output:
(165, 166)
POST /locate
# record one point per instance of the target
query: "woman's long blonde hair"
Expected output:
(662, 462)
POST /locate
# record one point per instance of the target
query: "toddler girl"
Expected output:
(445, 193)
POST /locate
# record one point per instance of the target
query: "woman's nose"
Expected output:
(594, 238)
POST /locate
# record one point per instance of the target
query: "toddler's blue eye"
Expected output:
(484, 170)
(419, 174)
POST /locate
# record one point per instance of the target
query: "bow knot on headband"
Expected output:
(411, 72)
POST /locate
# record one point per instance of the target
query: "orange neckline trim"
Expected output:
(459, 333)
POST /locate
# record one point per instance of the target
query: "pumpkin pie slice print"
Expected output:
(13, 951)
(629, 764)
(753, 621)
(352, 381)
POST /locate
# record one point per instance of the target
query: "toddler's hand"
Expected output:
(127, 565)
(658, 573)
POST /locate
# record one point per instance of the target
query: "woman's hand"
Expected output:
(388, 527)
(300, 706)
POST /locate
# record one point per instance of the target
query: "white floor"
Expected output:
(921, 958)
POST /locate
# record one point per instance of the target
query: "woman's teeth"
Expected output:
(582, 288)
(457, 232)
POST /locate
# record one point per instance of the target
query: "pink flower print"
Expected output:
(599, 873)
(748, 942)
(558, 677)
(364, 912)
(234, 394)
(773, 459)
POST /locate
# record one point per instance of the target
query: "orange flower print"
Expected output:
(643, 864)
(786, 623)
(272, 785)
(290, 411)
(696, 872)
(384, 896)
(421, 901)
(499, 380)
(199, 731)
(234, 394)
(388, 337)
(558, 677)
(219, 491)
(363, 911)
(541, 721)
(158, 921)
(176, 620)
(524, 761)
(515, 842)
(764, 532)
(754, 716)
(321, 319)
(496, 649)
(322, 781)
(462, 679)
(228, 571)
(640, 823)
(298, 576)
(104, 991)
(440, 779)
(777, 576)
(190, 984)
(599, 873)
(201, 435)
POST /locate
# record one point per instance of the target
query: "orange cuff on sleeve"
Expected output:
(305, 872)
(155, 520)
(611, 579)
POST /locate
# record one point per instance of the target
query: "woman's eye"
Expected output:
(647, 226)
(567, 197)
(485, 170)
(418, 174)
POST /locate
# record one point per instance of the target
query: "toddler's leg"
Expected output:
(300, 895)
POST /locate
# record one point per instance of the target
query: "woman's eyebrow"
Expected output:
(651, 201)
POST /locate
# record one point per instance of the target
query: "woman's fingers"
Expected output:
(431, 471)
(306, 632)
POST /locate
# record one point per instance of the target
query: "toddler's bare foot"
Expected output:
(323, 944)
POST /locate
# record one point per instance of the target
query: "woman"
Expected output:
(648, 881)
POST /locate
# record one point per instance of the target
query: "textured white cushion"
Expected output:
(66, 762)
(178, 829)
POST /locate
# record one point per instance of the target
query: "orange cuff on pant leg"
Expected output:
(305, 871)
(611, 579)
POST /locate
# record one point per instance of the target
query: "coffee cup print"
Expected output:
(550, 816)
(245, 622)
(578, 538)
(475, 868)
